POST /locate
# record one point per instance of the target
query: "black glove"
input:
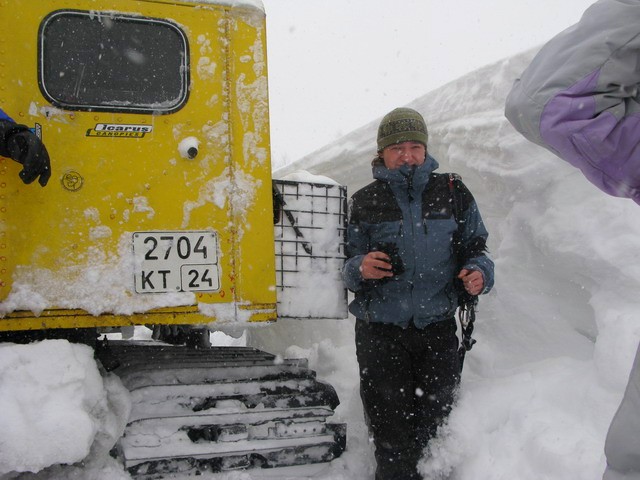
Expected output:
(23, 146)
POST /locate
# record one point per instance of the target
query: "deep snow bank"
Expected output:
(55, 406)
(556, 337)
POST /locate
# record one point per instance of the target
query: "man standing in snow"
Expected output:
(579, 99)
(405, 252)
(19, 143)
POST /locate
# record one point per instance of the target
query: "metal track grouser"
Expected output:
(222, 408)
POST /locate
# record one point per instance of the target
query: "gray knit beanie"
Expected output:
(402, 125)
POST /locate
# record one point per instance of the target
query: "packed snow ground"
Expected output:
(556, 337)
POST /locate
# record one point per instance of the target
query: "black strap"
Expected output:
(466, 317)
(466, 302)
(278, 206)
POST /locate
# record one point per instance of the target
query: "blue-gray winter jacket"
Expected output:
(415, 213)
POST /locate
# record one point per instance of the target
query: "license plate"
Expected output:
(176, 261)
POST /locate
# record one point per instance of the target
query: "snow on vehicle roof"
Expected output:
(232, 3)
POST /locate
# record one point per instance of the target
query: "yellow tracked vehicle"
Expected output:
(161, 210)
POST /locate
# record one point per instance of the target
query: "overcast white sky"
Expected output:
(335, 65)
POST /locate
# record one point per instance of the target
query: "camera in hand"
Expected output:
(391, 249)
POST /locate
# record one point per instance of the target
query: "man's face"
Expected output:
(405, 153)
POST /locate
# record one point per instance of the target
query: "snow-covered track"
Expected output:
(221, 408)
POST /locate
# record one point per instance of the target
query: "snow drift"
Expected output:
(557, 336)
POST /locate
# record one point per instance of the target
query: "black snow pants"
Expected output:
(408, 381)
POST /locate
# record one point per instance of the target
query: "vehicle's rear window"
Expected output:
(111, 61)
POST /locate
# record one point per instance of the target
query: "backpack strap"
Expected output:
(455, 201)
(466, 302)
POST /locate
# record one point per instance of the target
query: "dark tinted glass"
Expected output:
(102, 61)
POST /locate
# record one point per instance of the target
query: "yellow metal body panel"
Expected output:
(66, 255)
